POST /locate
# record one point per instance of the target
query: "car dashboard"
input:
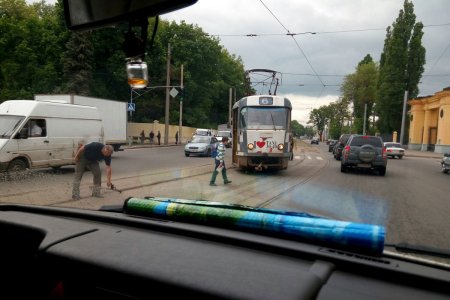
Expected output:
(65, 253)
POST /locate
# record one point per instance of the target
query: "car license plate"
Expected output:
(364, 165)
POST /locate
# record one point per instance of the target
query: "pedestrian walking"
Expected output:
(159, 137)
(142, 136)
(219, 163)
(176, 138)
(89, 156)
(152, 136)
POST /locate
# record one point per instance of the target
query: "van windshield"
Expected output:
(8, 125)
(224, 133)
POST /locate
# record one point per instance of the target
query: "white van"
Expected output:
(227, 133)
(62, 128)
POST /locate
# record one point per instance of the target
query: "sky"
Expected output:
(312, 66)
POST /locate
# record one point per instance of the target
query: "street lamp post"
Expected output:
(180, 125)
(166, 118)
(402, 131)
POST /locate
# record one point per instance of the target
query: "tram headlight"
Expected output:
(250, 146)
(280, 147)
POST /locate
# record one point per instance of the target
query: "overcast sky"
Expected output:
(346, 31)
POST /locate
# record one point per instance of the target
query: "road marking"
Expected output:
(309, 157)
(319, 158)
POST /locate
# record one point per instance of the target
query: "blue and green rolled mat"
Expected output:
(350, 236)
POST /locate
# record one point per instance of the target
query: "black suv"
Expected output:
(337, 150)
(364, 151)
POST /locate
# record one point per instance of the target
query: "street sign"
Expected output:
(173, 92)
(131, 106)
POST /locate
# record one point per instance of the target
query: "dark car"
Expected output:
(337, 150)
(364, 151)
(315, 140)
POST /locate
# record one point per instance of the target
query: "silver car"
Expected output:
(200, 145)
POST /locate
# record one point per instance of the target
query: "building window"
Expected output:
(442, 113)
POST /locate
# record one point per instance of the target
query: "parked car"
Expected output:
(337, 150)
(364, 151)
(445, 163)
(315, 140)
(331, 144)
(200, 145)
(394, 150)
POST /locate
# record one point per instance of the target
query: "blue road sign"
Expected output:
(131, 106)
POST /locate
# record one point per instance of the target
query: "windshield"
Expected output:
(338, 71)
(264, 117)
(8, 125)
(201, 139)
(224, 133)
(201, 132)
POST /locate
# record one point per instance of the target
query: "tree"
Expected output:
(359, 89)
(338, 114)
(77, 64)
(319, 118)
(401, 67)
(297, 128)
(30, 47)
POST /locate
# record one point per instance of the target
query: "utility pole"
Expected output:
(365, 118)
(402, 131)
(229, 106)
(166, 119)
(180, 126)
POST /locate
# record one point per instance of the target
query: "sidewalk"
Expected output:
(416, 153)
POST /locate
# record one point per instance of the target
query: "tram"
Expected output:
(261, 132)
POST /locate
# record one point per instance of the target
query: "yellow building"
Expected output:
(429, 117)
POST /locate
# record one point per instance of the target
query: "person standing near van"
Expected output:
(176, 138)
(152, 136)
(89, 156)
(219, 163)
(36, 130)
(159, 137)
(142, 136)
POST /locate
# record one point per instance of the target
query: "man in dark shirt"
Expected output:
(89, 156)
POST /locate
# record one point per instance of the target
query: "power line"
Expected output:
(316, 32)
(295, 41)
(442, 54)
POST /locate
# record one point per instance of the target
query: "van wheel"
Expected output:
(17, 165)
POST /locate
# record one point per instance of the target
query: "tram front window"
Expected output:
(264, 118)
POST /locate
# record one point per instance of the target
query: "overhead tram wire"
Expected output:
(315, 32)
(295, 41)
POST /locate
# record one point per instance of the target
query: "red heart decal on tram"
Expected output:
(260, 144)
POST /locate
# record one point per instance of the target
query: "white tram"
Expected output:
(261, 132)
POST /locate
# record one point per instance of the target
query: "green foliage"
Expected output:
(40, 56)
(401, 67)
(297, 128)
(360, 89)
(31, 44)
(333, 115)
